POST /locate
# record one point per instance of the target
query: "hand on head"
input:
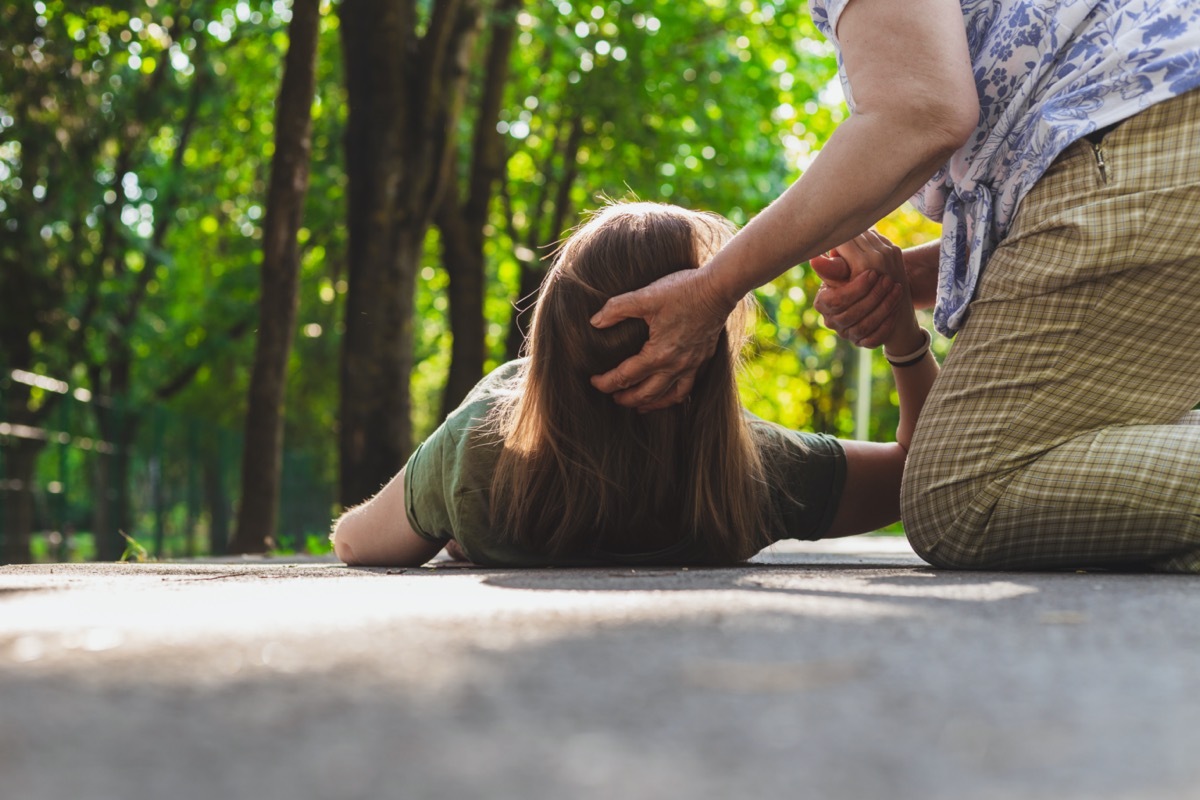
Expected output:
(865, 289)
(685, 318)
(864, 295)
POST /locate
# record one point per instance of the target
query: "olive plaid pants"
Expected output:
(1060, 432)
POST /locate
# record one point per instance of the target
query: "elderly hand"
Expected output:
(864, 288)
(686, 315)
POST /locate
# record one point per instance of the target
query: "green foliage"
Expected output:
(696, 103)
(134, 551)
(312, 544)
(707, 105)
(135, 143)
(135, 146)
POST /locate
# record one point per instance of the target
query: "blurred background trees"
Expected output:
(452, 144)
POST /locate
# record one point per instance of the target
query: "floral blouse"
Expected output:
(1048, 72)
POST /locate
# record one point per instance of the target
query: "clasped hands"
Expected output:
(864, 297)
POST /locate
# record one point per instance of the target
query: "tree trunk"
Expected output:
(261, 457)
(16, 500)
(462, 257)
(405, 93)
(111, 514)
(377, 352)
(19, 303)
(540, 239)
(102, 526)
(218, 507)
(462, 225)
(117, 428)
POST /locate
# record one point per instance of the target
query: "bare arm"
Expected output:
(901, 132)
(871, 497)
(911, 114)
(378, 533)
(921, 265)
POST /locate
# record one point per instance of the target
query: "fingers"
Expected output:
(871, 250)
(874, 328)
(650, 394)
(891, 256)
(861, 310)
(865, 253)
(834, 301)
(685, 326)
(619, 308)
(629, 373)
(638, 383)
(831, 269)
(680, 391)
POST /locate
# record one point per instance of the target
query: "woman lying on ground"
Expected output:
(538, 467)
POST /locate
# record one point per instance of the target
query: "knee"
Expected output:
(936, 529)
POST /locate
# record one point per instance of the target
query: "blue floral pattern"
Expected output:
(1048, 72)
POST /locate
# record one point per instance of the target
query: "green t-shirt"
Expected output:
(448, 479)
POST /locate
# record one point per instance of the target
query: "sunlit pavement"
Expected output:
(845, 671)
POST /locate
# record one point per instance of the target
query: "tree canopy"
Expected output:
(136, 144)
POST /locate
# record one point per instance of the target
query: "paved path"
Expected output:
(845, 671)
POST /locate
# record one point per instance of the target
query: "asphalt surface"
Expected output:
(843, 671)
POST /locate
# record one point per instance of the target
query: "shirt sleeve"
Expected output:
(426, 495)
(447, 478)
(825, 15)
(807, 475)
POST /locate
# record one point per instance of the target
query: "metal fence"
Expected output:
(165, 480)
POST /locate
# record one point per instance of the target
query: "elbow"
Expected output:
(950, 120)
(925, 137)
(958, 122)
(344, 553)
(340, 538)
(934, 124)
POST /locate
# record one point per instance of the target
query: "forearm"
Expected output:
(913, 382)
(916, 103)
(378, 533)
(871, 495)
(921, 264)
(871, 164)
(874, 470)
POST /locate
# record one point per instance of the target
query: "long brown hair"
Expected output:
(578, 473)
